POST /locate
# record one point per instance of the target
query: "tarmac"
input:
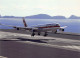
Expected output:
(20, 44)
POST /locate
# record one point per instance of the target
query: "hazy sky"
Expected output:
(31, 7)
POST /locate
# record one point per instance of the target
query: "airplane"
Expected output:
(39, 28)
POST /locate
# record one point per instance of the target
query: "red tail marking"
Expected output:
(25, 25)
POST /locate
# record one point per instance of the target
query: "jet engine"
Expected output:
(61, 29)
(17, 29)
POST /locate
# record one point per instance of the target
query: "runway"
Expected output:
(53, 42)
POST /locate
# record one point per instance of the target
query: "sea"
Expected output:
(73, 25)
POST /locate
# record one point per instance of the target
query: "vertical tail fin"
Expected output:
(25, 25)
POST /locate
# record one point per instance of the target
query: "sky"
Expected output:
(32, 7)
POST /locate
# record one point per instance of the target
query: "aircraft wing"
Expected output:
(7, 25)
(63, 27)
(17, 27)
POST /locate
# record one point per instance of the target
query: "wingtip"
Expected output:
(63, 27)
(66, 26)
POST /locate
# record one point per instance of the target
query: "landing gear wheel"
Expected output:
(45, 34)
(32, 34)
(38, 33)
(55, 32)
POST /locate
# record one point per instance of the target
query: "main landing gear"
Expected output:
(38, 33)
(55, 32)
(45, 34)
(33, 33)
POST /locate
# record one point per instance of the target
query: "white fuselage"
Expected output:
(48, 27)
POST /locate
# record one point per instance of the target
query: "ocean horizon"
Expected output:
(73, 24)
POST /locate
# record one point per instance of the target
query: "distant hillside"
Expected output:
(45, 16)
(74, 17)
(39, 16)
(59, 17)
(9, 17)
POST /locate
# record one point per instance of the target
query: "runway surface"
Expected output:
(63, 41)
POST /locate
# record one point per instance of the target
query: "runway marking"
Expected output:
(3, 57)
(8, 34)
(72, 48)
(59, 42)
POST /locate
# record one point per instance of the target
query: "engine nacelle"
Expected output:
(61, 29)
(17, 29)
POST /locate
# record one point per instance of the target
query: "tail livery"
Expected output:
(25, 25)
